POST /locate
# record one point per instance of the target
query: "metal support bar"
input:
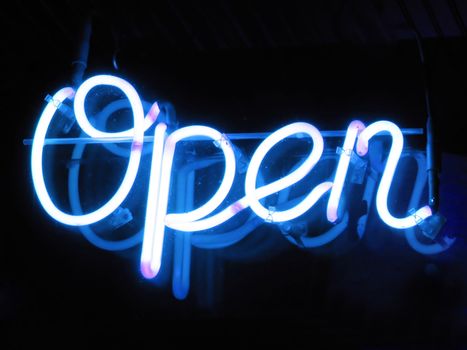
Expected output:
(233, 136)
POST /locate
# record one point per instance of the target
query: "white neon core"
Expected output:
(151, 251)
(133, 163)
(156, 221)
(201, 218)
(229, 172)
(137, 132)
(353, 130)
(254, 194)
(388, 174)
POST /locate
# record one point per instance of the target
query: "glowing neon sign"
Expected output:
(208, 215)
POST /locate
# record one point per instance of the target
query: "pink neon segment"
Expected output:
(332, 213)
(354, 130)
(146, 270)
(357, 124)
(237, 207)
(136, 146)
(424, 211)
(153, 112)
(362, 147)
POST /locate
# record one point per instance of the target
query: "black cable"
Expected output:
(80, 62)
(432, 159)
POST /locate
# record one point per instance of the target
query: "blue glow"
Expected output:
(141, 123)
(148, 253)
(414, 242)
(157, 204)
(108, 111)
(330, 235)
(254, 194)
(133, 164)
(182, 262)
(388, 174)
(75, 203)
(342, 167)
(73, 177)
(207, 216)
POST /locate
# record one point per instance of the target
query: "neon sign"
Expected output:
(209, 215)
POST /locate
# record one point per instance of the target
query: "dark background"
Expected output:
(244, 68)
